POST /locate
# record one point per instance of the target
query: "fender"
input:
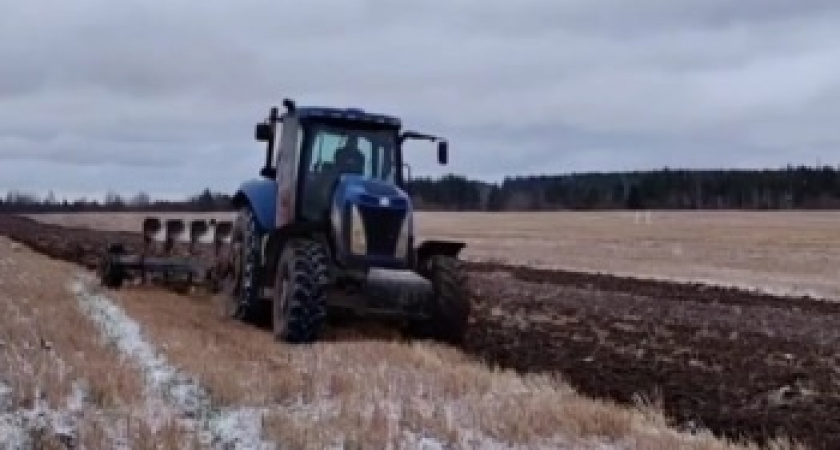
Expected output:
(428, 249)
(262, 196)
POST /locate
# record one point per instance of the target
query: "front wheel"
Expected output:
(449, 307)
(300, 292)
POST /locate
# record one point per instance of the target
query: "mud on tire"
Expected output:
(300, 292)
(247, 238)
(450, 305)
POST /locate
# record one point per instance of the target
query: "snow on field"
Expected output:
(399, 394)
(172, 394)
(178, 394)
(185, 400)
(18, 427)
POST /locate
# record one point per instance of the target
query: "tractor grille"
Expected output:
(382, 229)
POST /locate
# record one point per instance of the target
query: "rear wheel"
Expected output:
(449, 308)
(300, 292)
(243, 282)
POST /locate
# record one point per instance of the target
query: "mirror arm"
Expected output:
(442, 144)
(415, 135)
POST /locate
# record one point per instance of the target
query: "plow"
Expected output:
(327, 229)
(171, 254)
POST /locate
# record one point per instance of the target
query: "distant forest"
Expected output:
(789, 188)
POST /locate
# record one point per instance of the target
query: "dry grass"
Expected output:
(376, 393)
(51, 357)
(788, 252)
(791, 252)
(48, 342)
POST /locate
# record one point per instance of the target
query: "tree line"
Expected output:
(788, 188)
(27, 203)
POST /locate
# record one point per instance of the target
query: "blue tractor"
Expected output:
(329, 228)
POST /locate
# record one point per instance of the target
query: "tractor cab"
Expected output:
(330, 224)
(339, 171)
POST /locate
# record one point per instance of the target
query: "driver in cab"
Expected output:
(349, 159)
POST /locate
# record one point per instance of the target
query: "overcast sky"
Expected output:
(162, 96)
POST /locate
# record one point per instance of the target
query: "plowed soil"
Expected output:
(742, 364)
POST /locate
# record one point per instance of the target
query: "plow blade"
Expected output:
(222, 231)
(174, 233)
(198, 229)
(152, 230)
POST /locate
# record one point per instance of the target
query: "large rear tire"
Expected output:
(244, 281)
(300, 292)
(450, 305)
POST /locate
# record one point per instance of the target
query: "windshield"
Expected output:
(366, 152)
(332, 150)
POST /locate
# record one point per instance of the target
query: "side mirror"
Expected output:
(443, 152)
(263, 132)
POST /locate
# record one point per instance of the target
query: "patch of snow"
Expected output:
(5, 398)
(65, 423)
(13, 432)
(224, 428)
(17, 427)
(240, 428)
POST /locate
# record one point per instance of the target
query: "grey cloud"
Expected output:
(163, 95)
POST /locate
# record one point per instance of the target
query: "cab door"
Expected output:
(288, 161)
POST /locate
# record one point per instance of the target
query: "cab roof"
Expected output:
(304, 112)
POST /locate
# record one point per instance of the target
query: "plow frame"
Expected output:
(163, 258)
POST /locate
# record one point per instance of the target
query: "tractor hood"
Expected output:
(372, 222)
(366, 191)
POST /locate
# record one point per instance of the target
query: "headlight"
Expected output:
(358, 242)
(402, 239)
(335, 219)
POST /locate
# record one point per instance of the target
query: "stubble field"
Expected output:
(741, 363)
